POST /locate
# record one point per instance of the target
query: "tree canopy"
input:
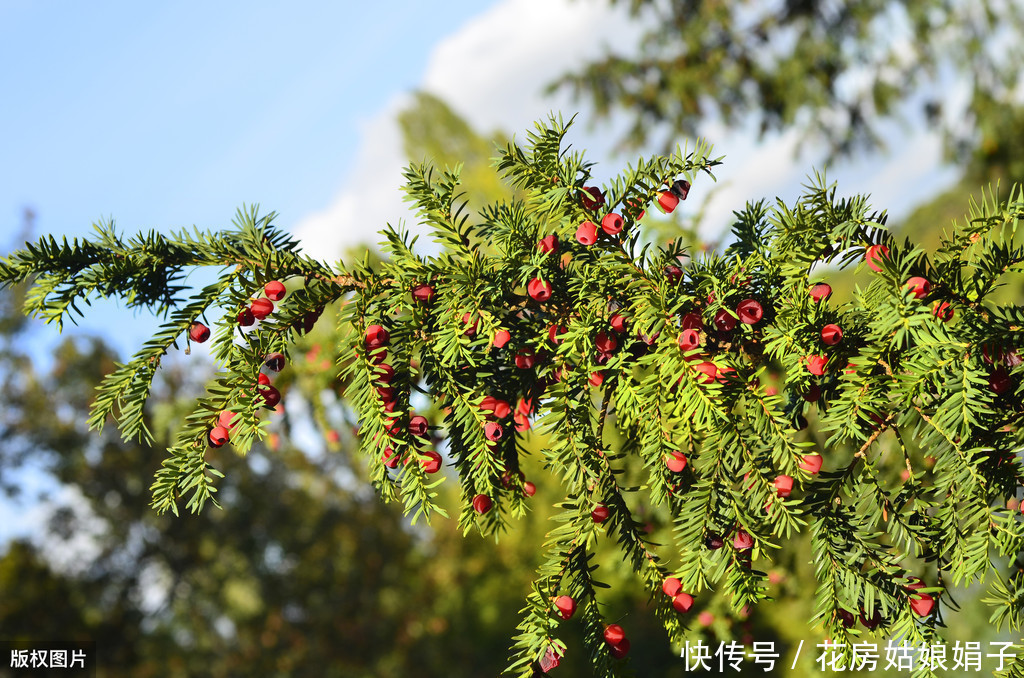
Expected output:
(833, 70)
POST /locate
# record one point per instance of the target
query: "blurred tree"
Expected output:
(834, 70)
(432, 131)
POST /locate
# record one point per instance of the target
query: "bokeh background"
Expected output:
(169, 116)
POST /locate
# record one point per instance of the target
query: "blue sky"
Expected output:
(165, 114)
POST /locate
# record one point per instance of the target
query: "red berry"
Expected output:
(309, 320)
(274, 361)
(724, 321)
(529, 489)
(470, 323)
(811, 463)
(385, 373)
(846, 617)
(548, 244)
(550, 660)
(245, 317)
(482, 503)
(725, 374)
(681, 189)
(618, 322)
(667, 201)
(261, 308)
(499, 407)
(709, 372)
(813, 393)
(942, 310)
(423, 292)
(566, 606)
(714, 541)
(224, 419)
(389, 458)
(990, 354)
(198, 332)
(611, 224)
(816, 364)
(554, 334)
(271, 396)
(673, 273)
(263, 380)
(831, 334)
(614, 634)
(919, 287)
(671, 587)
(621, 650)
(376, 337)
(689, 340)
(525, 359)
(606, 343)
(999, 381)
(692, 321)
(749, 311)
(418, 426)
(600, 513)
(218, 436)
(682, 602)
(274, 290)
(432, 464)
(586, 234)
(596, 379)
(742, 541)
(494, 431)
(501, 337)
(525, 406)
(874, 254)
(675, 462)
(922, 604)
(592, 197)
(871, 622)
(539, 290)
(648, 339)
(783, 485)
(820, 292)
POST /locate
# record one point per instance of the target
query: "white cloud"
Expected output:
(371, 196)
(495, 69)
(492, 71)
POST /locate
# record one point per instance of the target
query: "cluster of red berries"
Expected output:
(613, 223)
(262, 307)
(614, 635)
(694, 335)
(258, 309)
(673, 588)
(923, 604)
(221, 432)
(999, 380)
(375, 340)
